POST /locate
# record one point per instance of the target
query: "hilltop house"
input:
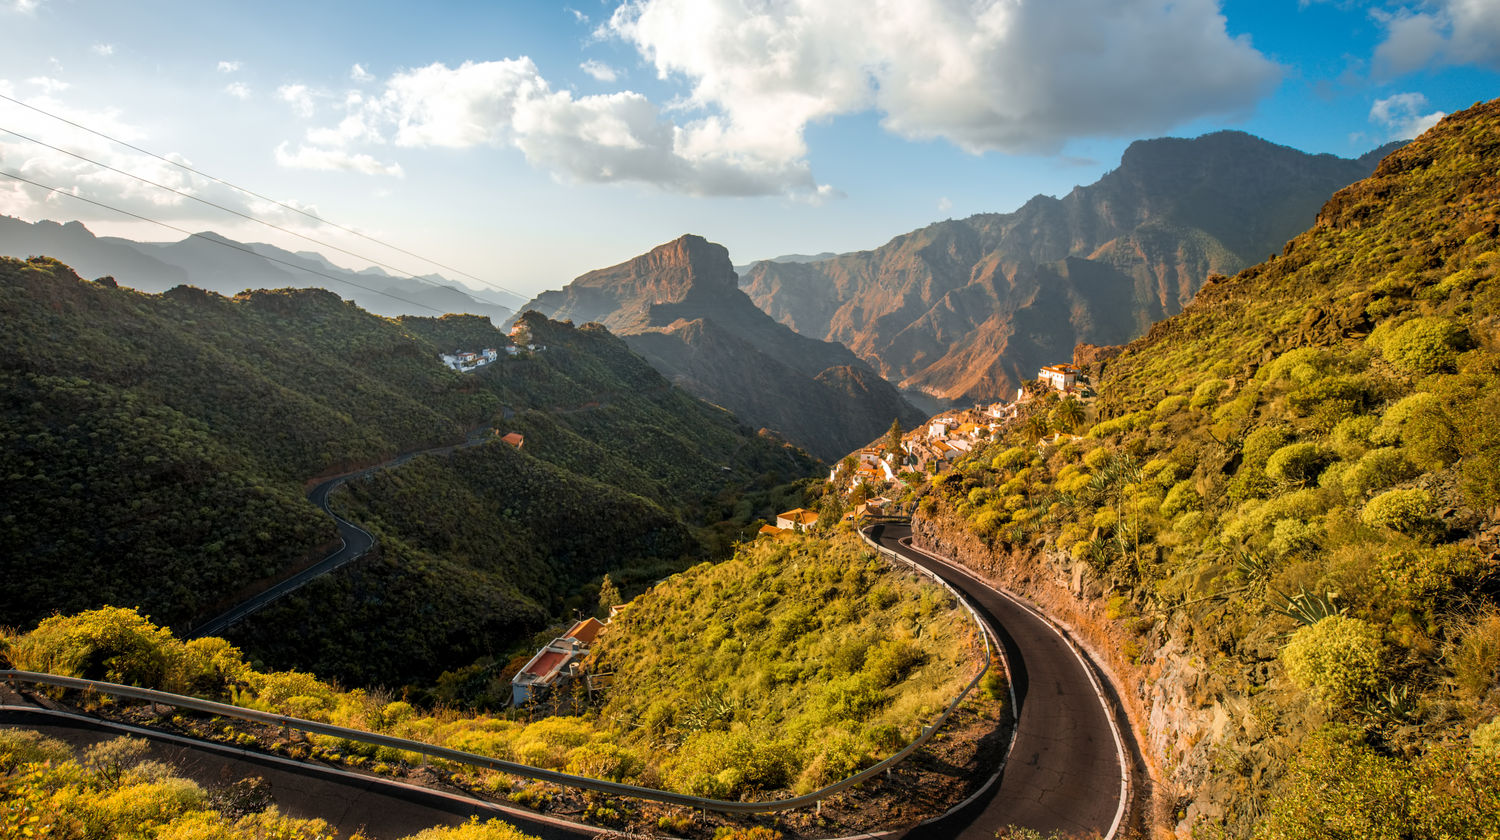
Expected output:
(464, 361)
(1059, 377)
(555, 664)
(797, 519)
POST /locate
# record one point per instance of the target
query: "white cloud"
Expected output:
(239, 90)
(988, 75)
(229, 67)
(1401, 115)
(359, 74)
(577, 15)
(103, 50)
(1439, 32)
(48, 85)
(944, 204)
(599, 70)
(311, 157)
(299, 97)
(617, 137)
(25, 7)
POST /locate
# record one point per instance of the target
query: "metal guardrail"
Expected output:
(487, 762)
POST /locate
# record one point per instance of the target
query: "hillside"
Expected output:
(787, 667)
(1282, 530)
(969, 309)
(156, 449)
(218, 264)
(679, 306)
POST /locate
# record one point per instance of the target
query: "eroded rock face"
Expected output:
(680, 307)
(970, 308)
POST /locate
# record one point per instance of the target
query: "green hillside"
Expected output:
(156, 451)
(1282, 526)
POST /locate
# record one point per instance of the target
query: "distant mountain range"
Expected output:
(968, 309)
(680, 307)
(209, 265)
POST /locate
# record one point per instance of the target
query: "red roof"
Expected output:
(585, 631)
(546, 663)
(514, 439)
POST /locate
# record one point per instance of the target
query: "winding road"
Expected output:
(1068, 769)
(356, 542)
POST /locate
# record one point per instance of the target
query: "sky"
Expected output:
(516, 145)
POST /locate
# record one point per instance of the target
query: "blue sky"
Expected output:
(526, 143)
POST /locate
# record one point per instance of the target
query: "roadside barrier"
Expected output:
(287, 722)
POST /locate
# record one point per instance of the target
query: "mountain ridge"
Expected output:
(680, 306)
(969, 309)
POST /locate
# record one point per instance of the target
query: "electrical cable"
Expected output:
(223, 242)
(254, 194)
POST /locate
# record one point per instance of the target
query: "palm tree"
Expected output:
(1070, 414)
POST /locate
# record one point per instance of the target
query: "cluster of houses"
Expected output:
(463, 362)
(947, 437)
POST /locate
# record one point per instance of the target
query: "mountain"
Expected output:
(155, 451)
(790, 258)
(968, 309)
(216, 263)
(680, 307)
(1282, 529)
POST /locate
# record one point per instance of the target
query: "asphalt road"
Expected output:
(1065, 767)
(384, 810)
(356, 543)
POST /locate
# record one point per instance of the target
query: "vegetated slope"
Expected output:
(969, 309)
(219, 264)
(52, 788)
(679, 306)
(155, 450)
(1289, 505)
(790, 666)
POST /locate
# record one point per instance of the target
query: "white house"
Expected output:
(1059, 377)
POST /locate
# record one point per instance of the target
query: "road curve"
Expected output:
(356, 542)
(1067, 768)
(382, 808)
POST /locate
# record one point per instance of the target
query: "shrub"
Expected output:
(1339, 661)
(471, 830)
(1420, 346)
(1408, 511)
(1181, 498)
(1206, 394)
(1377, 470)
(111, 644)
(1296, 462)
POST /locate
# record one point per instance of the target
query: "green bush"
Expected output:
(1420, 346)
(1339, 661)
(1411, 511)
(1377, 470)
(1297, 463)
(1181, 498)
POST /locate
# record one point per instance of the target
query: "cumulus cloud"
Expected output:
(311, 157)
(1401, 115)
(103, 50)
(25, 7)
(599, 70)
(239, 90)
(1002, 75)
(610, 138)
(299, 97)
(359, 74)
(1439, 32)
(229, 67)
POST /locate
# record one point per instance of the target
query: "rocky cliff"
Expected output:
(680, 307)
(969, 309)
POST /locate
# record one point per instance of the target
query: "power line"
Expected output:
(254, 194)
(227, 244)
(230, 210)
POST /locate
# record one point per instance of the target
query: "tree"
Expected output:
(1070, 414)
(893, 439)
(609, 596)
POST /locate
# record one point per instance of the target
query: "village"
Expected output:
(866, 474)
